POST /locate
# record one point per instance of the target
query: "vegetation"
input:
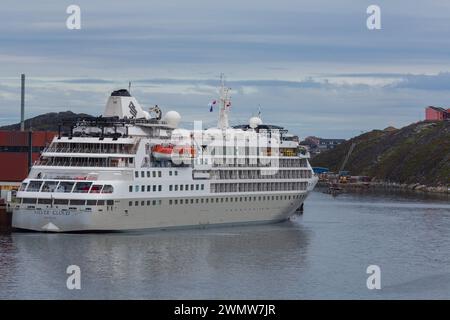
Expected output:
(418, 153)
(47, 121)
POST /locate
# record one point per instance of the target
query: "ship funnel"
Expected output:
(121, 104)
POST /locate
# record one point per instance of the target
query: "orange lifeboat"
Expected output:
(185, 151)
(165, 152)
(161, 152)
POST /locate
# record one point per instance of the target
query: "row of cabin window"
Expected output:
(185, 187)
(232, 199)
(78, 202)
(142, 188)
(143, 203)
(175, 187)
(65, 187)
(75, 202)
(153, 174)
(257, 186)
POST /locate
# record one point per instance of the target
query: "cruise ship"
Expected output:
(132, 169)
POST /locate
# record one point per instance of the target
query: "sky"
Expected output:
(311, 66)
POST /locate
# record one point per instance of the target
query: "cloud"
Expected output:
(86, 81)
(144, 37)
(440, 82)
(306, 83)
(312, 65)
(308, 106)
(368, 75)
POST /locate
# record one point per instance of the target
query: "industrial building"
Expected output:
(18, 151)
(436, 113)
(317, 145)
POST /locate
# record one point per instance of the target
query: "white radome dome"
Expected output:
(172, 118)
(254, 122)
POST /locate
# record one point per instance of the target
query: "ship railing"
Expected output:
(270, 174)
(232, 165)
(69, 163)
(84, 147)
(90, 150)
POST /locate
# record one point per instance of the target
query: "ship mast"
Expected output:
(225, 102)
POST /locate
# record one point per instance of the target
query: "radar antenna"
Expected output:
(157, 111)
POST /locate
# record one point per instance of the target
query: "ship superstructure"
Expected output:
(132, 169)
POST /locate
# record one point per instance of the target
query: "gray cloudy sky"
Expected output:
(313, 66)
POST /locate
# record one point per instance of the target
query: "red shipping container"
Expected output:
(14, 152)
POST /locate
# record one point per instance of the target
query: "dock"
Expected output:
(5, 220)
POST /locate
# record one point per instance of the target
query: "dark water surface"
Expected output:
(322, 254)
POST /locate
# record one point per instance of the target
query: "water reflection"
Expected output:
(173, 264)
(323, 254)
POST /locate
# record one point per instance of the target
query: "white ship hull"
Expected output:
(162, 216)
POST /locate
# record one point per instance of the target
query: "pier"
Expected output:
(5, 219)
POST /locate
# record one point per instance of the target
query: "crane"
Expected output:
(347, 157)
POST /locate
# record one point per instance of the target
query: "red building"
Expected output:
(15, 158)
(436, 113)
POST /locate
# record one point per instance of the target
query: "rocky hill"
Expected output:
(418, 153)
(47, 121)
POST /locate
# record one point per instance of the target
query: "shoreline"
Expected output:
(386, 186)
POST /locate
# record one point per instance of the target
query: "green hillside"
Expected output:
(418, 153)
(47, 121)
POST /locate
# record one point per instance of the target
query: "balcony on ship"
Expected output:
(119, 162)
(101, 148)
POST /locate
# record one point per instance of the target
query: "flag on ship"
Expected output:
(211, 104)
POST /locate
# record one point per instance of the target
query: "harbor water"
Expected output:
(322, 254)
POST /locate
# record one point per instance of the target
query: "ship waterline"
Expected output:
(126, 170)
